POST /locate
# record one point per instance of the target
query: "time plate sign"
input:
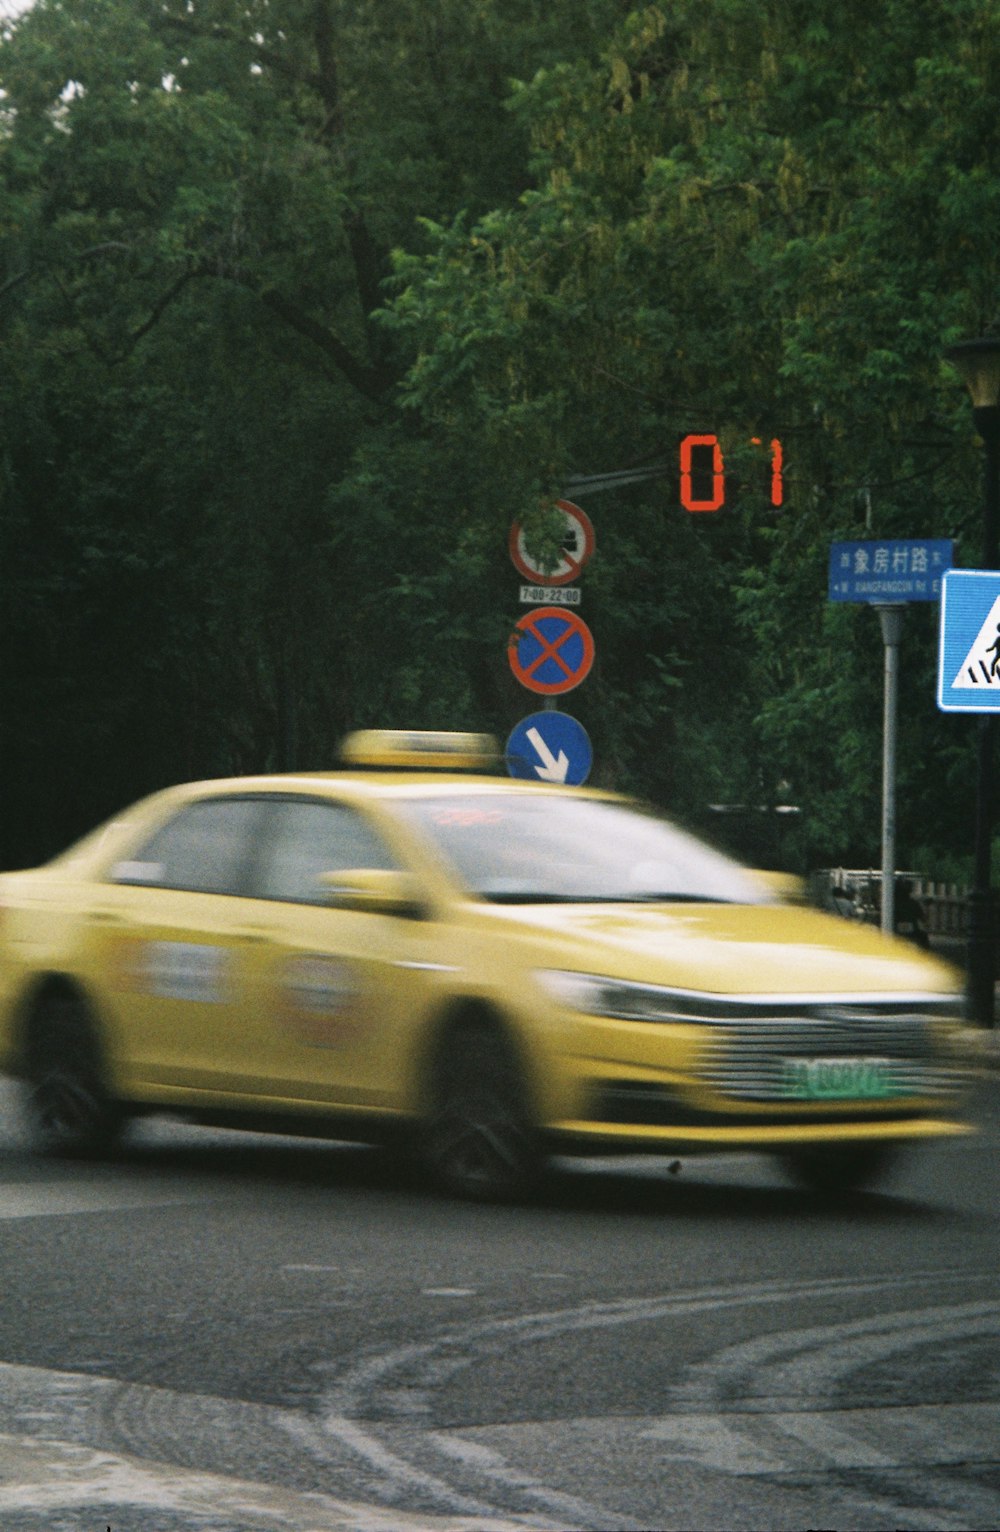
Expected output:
(871, 1079)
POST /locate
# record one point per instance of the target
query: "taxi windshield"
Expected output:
(536, 848)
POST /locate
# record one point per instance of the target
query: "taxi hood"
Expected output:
(765, 949)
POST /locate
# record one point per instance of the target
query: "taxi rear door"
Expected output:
(168, 949)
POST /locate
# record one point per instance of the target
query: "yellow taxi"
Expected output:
(487, 969)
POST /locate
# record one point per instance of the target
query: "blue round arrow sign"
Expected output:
(550, 747)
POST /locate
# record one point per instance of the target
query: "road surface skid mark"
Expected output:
(766, 1408)
(763, 1444)
(48, 1477)
(770, 1407)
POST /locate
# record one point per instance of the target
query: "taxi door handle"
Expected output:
(252, 934)
(108, 917)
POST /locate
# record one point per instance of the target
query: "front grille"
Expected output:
(752, 1059)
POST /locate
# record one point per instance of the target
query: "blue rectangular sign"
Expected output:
(893, 569)
(969, 646)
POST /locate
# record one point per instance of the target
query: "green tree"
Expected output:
(213, 561)
(301, 301)
(756, 221)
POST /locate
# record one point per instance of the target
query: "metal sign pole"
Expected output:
(891, 618)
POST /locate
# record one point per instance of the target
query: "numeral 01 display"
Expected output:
(703, 478)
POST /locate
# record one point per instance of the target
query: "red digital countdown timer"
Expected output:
(703, 476)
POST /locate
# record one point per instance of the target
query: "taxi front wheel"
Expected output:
(69, 1109)
(479, 1139)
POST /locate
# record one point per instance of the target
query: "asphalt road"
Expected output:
(237, 1334)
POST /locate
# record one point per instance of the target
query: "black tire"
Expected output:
(70, 1110)
(848, 1168)
(479, 1138)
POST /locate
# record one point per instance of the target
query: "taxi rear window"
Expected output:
(204, 848)
(546, 848)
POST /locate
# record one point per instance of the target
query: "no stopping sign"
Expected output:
(551, 650)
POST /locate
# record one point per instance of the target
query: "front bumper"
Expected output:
(765, 1137)
(770, 1074)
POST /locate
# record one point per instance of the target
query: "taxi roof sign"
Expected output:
(434, 748)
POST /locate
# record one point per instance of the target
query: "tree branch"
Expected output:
(155, 313)
(333, 131)
(12, 282)
(373, 382)
(30, 271)
(327, 79)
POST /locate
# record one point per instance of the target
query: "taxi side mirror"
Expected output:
(378, 890)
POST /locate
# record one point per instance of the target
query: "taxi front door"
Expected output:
(337, 1006)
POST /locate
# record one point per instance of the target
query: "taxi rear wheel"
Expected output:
(479, 1139)
(69, 1108)
(854, 1167)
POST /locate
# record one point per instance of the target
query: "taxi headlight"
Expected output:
(924, 1022)
(595, 995)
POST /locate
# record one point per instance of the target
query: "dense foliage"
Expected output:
(302, 301)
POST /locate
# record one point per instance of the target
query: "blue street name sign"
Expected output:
(550, 747)
(894, 569)
(969, 642)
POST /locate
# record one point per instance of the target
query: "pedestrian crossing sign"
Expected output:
(969, 645)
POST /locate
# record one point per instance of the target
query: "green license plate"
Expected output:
(838, 1080)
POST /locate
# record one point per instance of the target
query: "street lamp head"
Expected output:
(978, 362)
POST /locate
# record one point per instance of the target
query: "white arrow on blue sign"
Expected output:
(550, 747)
(969, 642)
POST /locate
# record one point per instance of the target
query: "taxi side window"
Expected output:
(305, 839)
(204, 848)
